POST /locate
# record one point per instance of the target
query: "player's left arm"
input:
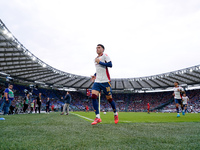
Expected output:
(182, 91)
(109, 64)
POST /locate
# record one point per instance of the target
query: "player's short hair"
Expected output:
(176, 82)
(101, 46)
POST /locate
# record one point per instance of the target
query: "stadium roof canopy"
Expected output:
(19, 63)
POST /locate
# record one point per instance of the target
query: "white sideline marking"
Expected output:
(125, 121)
(82, 116)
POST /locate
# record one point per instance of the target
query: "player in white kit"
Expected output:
(178, 97)
(101, 81)
(185, 101)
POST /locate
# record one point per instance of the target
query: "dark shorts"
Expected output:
(178, 101)
(106, 87)
(184, 105)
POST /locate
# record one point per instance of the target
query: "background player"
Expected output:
(185, 101)
(178, 98)
(86, 108)
(148, 108)
(101, 81)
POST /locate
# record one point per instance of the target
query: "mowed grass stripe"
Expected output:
(55, 131)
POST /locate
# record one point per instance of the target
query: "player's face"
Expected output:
(99, 50)
(175, 84)
(10, 87)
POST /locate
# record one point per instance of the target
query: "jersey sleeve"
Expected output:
(107, 58)
(6, 91)
(181, 89)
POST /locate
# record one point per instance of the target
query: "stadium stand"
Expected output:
(132, 102)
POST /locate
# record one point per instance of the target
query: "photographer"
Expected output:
(26, 101)
(47, 105)
(39, 102)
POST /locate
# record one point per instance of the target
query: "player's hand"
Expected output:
(93, 78)
(97, 60)
(6, 99)
(178, 90)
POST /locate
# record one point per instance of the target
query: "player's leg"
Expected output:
(64, 107)
(112, 103)
(182, 108)
(177, 107)
(108, 92)
(67, 109)
(95, 92)
(185, 108)
(95, 102)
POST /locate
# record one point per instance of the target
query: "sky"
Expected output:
(142, 38)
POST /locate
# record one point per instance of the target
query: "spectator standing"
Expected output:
(47, 105)
(26, 101)
(39, 102)
(67, 101)
(9, 97)
(32, 105)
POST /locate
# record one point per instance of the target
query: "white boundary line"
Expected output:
(126, 121)
(82, 116)
(92, 119)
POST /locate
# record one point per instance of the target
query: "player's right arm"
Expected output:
(107, 62)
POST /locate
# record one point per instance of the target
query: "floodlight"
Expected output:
(44, 65)
(5, 32)
(33, 58)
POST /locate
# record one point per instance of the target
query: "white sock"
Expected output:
(177, 113)
(97, 116)
(115, 114)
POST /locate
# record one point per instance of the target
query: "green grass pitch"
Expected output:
(134, 131)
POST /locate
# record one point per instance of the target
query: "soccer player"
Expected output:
(148, 108)
(178, 98)
(101, 81)
(86, 108)
(185, 101)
